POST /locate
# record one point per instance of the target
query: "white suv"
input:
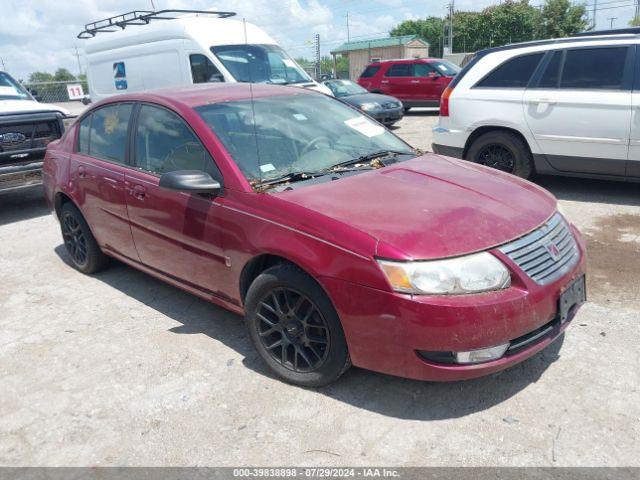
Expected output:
(561, 107)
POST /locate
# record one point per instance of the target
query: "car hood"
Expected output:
(367, 98)
(430, 206)
(28, 106)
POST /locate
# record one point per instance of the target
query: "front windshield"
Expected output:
(260, 64)
(344, 88)
(446, 68)
(11, 90)
(295, 133)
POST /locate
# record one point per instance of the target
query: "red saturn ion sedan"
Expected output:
(338, 242)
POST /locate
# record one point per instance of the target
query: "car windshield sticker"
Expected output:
(299, 116)
(267, 167)
(120, 76)
(365, 126)
(288, 63)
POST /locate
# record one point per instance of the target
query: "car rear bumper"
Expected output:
(387, 332)
(15, 177)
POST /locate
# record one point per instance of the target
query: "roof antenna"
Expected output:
(253, 107)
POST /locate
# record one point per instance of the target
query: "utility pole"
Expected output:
(318, 68)
(4, 68)
(349, 36)
(449, 48)
(77, 55)
(612, 19)
(595, 11)
(637, 9)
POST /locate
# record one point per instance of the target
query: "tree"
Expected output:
(40, 77)
(634, 22)
(561, 19)
(430, 29)
(63, 75)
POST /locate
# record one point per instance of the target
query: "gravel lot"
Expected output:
(121, 369)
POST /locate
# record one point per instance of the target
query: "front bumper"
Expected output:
(388, 116)
(387, 331)
(15, 177)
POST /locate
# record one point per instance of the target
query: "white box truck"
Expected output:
(145, 50)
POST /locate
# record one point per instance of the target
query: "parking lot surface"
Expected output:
(121, 369)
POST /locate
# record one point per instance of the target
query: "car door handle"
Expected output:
(384, 81)
(543, 101)
(415, 81)
(82, 172)
(139, 192)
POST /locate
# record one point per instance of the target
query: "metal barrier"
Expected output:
(54, 92)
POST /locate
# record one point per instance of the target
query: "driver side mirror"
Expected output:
(433, 75)
(190, 181)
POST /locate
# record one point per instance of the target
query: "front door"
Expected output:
(97, 177)
(426, 84)
(397, 81)
(580, 112)
(175, 233)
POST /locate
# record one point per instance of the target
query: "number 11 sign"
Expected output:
(75, 91)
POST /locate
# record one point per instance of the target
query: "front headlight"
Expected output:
(370, 106)
(479, 272)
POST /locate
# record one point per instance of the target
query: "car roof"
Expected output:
(405, 60)
(197, 95)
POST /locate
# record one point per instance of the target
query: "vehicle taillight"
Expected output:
(444, 102)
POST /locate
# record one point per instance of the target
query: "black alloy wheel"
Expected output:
(504, 151)
(79, 242)
(74, 239)
(497, 156)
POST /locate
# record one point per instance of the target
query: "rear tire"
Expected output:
(79, 242)
(503, 151)
(294, 327)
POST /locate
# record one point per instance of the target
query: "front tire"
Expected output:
(79, 242)
(503, 151)
(295, 328)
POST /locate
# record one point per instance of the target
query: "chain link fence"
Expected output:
(56, 92)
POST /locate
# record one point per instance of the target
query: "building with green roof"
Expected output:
(362, 52)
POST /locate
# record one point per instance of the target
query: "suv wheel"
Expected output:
(81, 246)
(503, 151)
(295, 328)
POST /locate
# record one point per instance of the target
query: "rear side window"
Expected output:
(108, 137)
(514, 73)
(203, 70)
(370, 71)
(551, 75)
(400, 70)
(83, 135)
(594, 68)
(164, 143)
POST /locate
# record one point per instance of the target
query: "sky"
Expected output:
(40, 35)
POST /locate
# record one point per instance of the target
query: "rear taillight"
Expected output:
(444, 102)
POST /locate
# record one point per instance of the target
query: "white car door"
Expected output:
(579, 112)
(633, 159)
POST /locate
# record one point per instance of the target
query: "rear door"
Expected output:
(175, 233)
(579, 112)
(97, 176)
(396, 81)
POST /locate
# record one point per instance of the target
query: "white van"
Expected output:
(144, 50)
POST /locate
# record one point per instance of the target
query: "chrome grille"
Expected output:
(547, 253)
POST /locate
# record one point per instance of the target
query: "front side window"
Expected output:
(594, 68)
(421, 70)
(260, 64)
(370, 71)
(446, 68)
(108, 133)
(203, 70)
(83, 135)
(164, 143)
(295, 133)
(12, 90)
(514, 73)
(400, 70)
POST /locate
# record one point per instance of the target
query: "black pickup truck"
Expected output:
(26, 128)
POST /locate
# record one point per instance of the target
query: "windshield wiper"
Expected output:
(299, 176)
(370, 157)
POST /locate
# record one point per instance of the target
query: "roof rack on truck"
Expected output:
(140, 17)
